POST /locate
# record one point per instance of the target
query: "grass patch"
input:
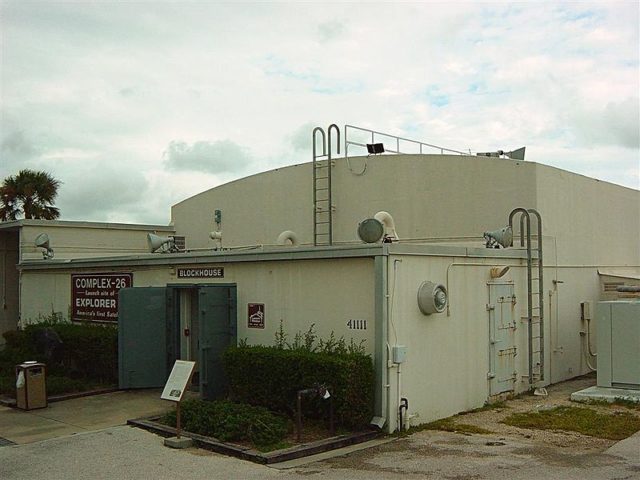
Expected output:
(625, 402)
(617, 402)
(448, 425)
(587, 421)
(486, 407)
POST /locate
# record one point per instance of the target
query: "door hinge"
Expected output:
(490, 307)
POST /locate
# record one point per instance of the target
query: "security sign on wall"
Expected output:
(94, 297)
(255, 315)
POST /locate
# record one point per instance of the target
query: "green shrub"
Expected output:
(8, 385)
(272, 376)
(228, 421)
(88, 353)
(60, 385)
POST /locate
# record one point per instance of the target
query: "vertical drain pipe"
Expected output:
(404, 404)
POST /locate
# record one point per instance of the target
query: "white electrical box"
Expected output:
(399, 353)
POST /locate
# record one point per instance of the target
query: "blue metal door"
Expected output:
(142, 337)
(218, 330)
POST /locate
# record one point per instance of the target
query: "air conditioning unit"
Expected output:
(618, 327)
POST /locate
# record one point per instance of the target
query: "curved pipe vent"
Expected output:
(288, 238)
(389, 225)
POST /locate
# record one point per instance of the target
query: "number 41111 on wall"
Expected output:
(357, 324)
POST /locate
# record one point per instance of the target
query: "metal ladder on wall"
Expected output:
(535, 288)
(323, 207)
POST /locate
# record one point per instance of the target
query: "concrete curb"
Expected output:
(246, 453)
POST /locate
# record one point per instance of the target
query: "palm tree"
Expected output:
(29, 193)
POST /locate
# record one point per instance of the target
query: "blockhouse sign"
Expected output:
(94, 297)
(200, 272)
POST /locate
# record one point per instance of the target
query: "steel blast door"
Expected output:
(502, 338)
(218, 330)
(142, 337)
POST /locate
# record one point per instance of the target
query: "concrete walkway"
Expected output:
(79, 415)
(86, 438)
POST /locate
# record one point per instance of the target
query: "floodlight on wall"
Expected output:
(160, 244)
(499, 238)
(499, 272)
(370, 230)
(42, 241)
(432, 298)
(375, 148)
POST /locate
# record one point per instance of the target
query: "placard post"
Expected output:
(174, 390)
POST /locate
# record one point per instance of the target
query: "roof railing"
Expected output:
(395, 141)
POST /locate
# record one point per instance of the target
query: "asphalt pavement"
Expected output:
(87, 439)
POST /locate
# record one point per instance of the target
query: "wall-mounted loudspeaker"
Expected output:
(370, 230)
(156, 242)
(42, 241)
(499, 238)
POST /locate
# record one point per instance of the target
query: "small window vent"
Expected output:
(181, 243)
(611, 286)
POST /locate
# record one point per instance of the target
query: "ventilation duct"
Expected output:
(288, 238)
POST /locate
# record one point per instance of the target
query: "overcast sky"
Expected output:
(136, 106)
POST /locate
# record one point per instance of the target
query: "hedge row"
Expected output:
(87, 351)
(229, 421)
(271, 377)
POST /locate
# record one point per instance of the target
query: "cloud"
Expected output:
(222, 156)
(300, 139)
(618, 123)
(142, 94)
(17, 151)
(330, 30)
(15, 144)
(108, 193)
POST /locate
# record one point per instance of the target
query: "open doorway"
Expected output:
(185, 301)
(158, 325)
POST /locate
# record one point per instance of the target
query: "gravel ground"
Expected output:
(559, 395)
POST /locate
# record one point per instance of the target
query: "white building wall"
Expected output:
(429, 196)
(44, 294)
(326, 293)
(448, 355)
(86, 239)
(593, 223)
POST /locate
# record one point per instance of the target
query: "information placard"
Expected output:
(255, 315)
(178, 380)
